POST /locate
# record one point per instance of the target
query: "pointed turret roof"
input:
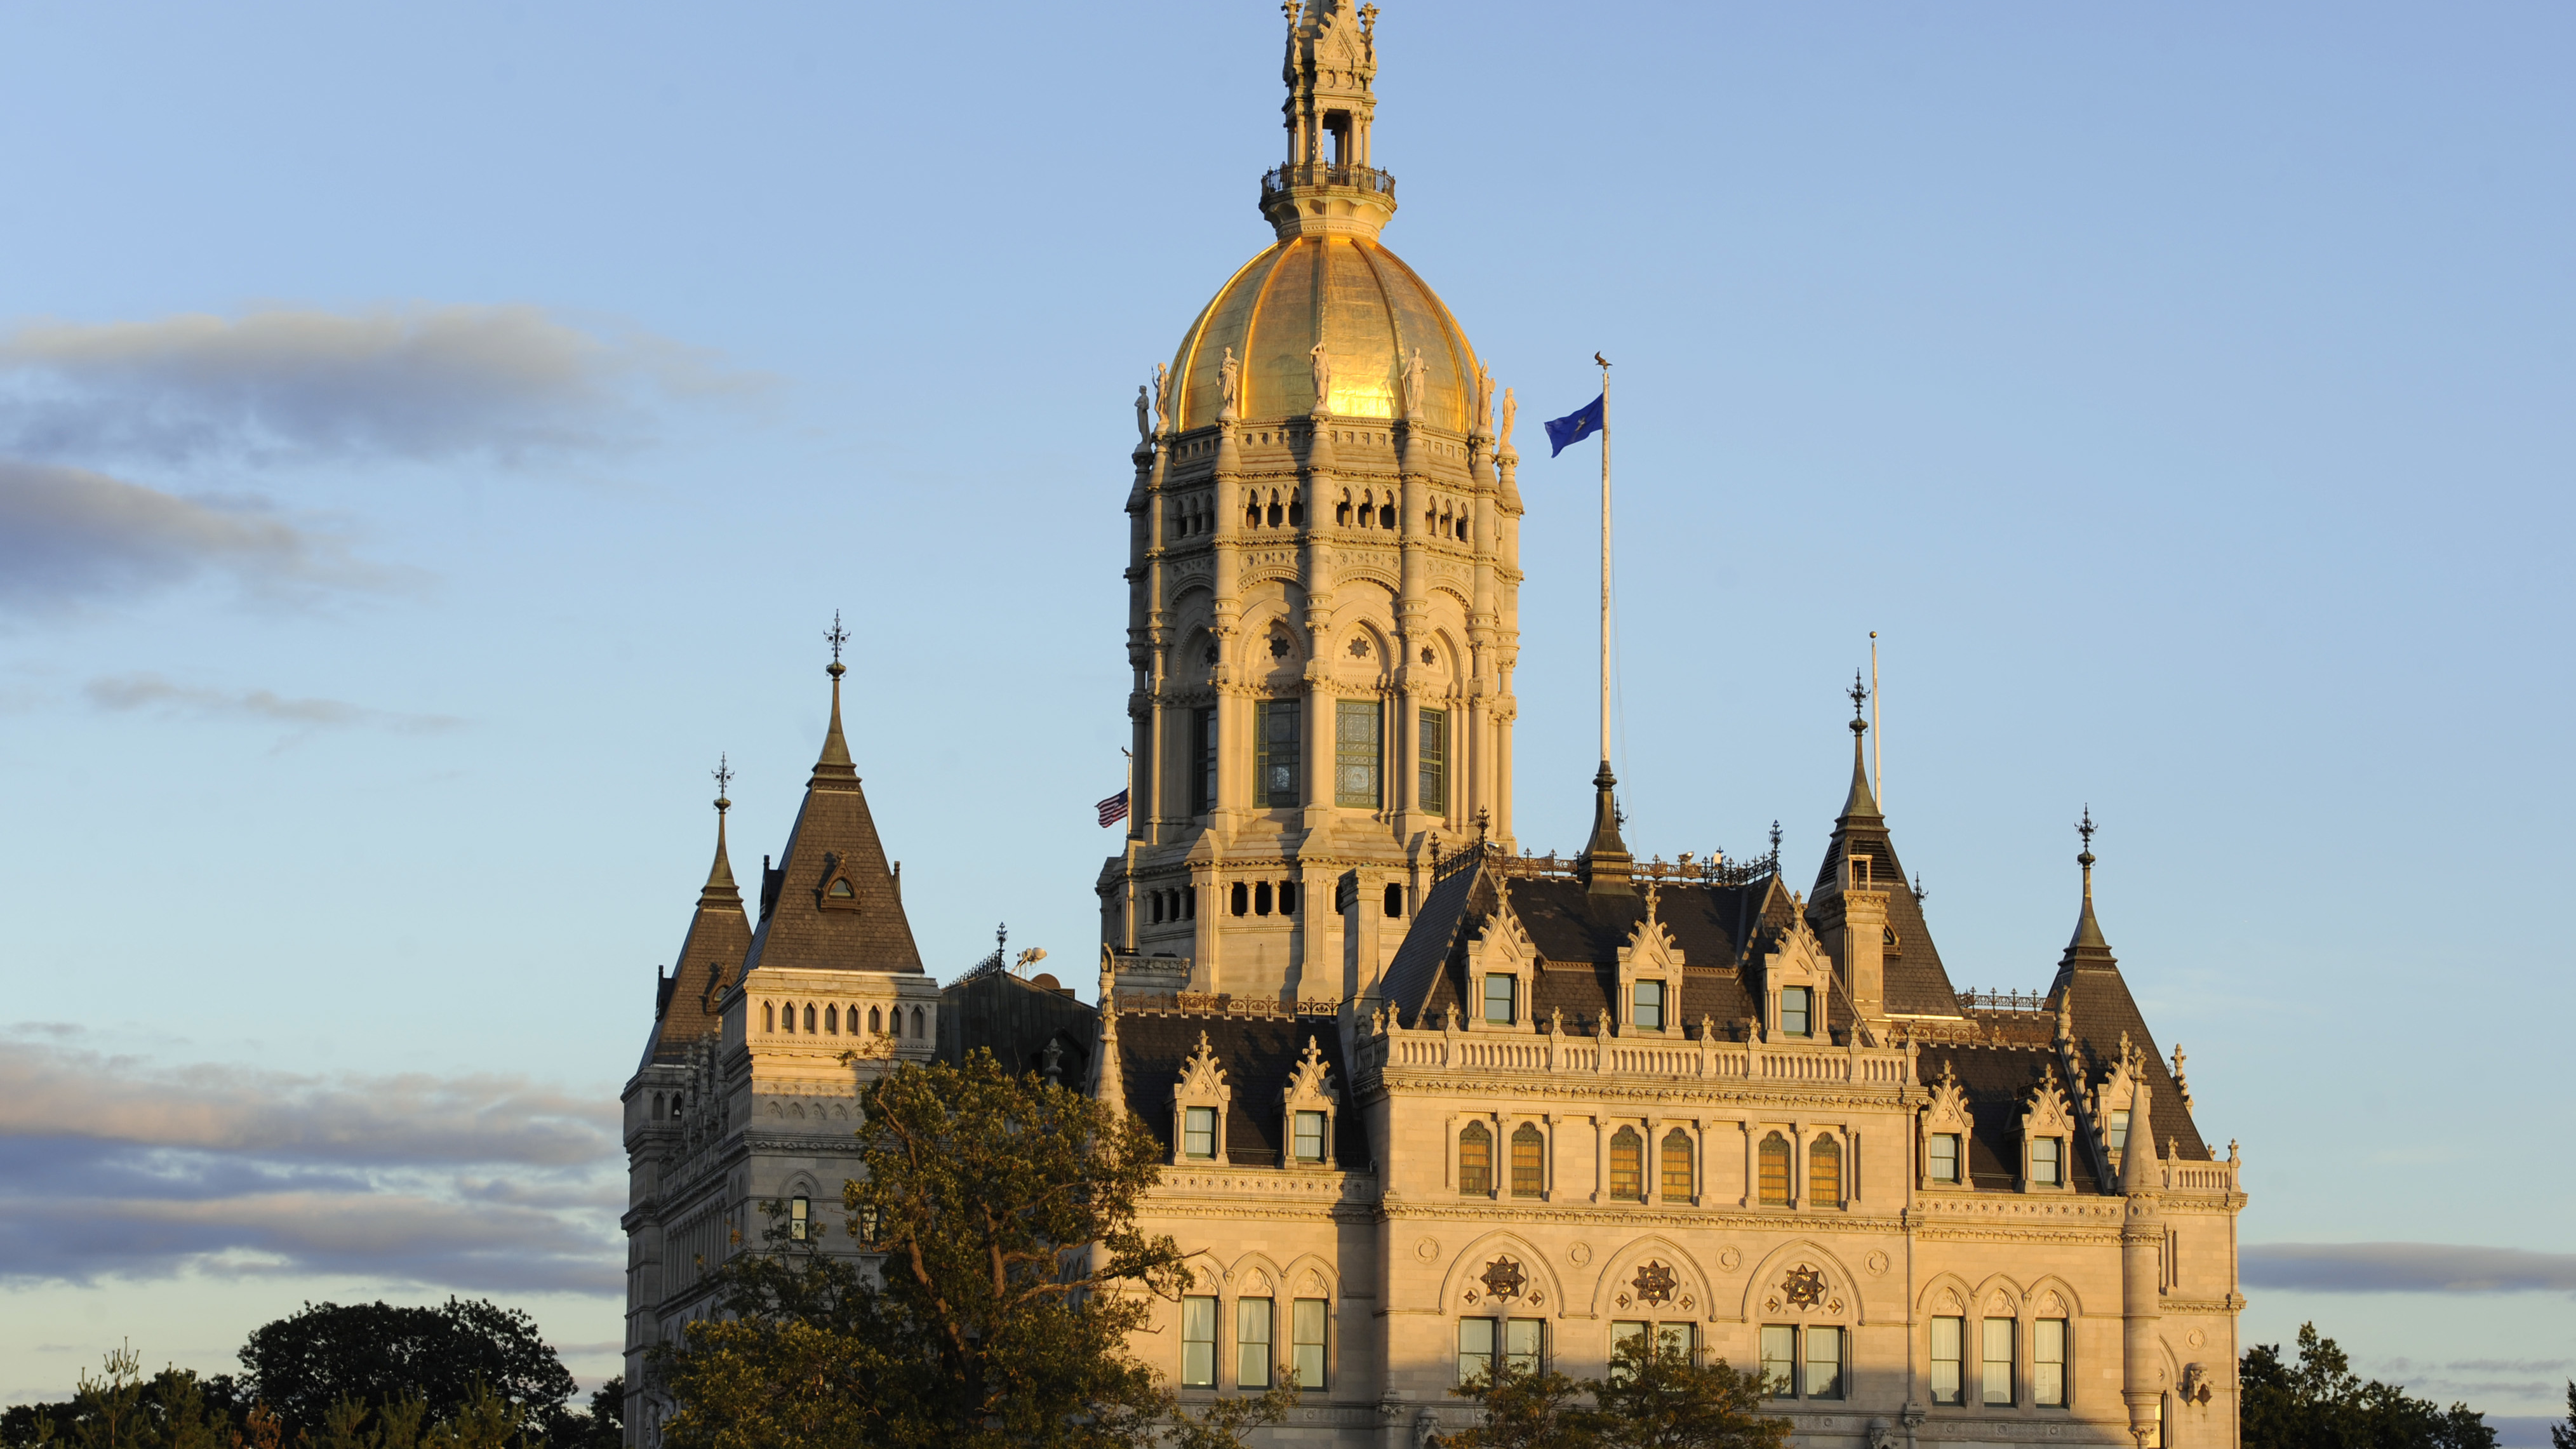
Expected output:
(1606, 864)
(711, 956)
(2103, 1017)
(830, 903)
(1917, 984)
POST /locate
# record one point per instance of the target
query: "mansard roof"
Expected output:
(1997, 1074)
(711, 958)
(831, 903)
(1259, 1054)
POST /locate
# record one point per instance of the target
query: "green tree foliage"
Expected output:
(121, 1409)
(449, 1356)
(2319, 1403)
(2563, 1436)
(1653, 1399)
(1012, 1273)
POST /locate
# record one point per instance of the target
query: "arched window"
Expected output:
(1274, 510)
(1386, 513)
(1475, 1161)
(1529, 1161)
(1628, 1166)
(809, 1018)
(1368, 513)
(832, 1020)
(1824, 1172)
(916, 1022)
(1677, 1166)
(657, 1106)
(1394, 899)
(1342, 513)
(876, 1023)
(1775, 1170)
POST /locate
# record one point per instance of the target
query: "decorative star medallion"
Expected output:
(1654, 1283)
(1805, 1286)
(1504, 1278)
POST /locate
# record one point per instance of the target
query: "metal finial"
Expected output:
(1859, 695)
(1001, 936)
(838, 637)
(724, 777)
(1920, 894)
(1484, 818)
(2085, 828)
(1775, 840)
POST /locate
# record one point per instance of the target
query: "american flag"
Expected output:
(1113, 809)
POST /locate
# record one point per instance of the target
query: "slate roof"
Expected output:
(802, 924)
(1915, 981)
(1015, 1020)
(1258, 1054)
(718, 939)
(1998, 1080)
(2102, 1010)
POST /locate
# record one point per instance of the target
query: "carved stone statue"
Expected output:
(1229, 385)
(1511, 407)
(1415, 371)
(1321, 362)
(1162, 395)
(1483, 419)
(1144, 423)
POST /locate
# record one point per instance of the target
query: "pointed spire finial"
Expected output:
(2085, 828)
(838, 637)
(1859, 695)
(723, 773)
(834, 763)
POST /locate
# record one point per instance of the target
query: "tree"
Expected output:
(378, 1354)
(1529, 1409)
(2319, 1403)
(121, 1409)
(2563, 1436)
(1654, 1398)
(1011, 1272)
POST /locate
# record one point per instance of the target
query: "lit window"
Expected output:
(1475, 1161)
(1355, 753)
(1310, 1137)
(799, 1210)
(1775, 1170)
(1499, 994)
(1475, 1350)
(2048, 1363)
(1794, 1010)
(2046, 1167)
(1780, 1360)
(1628, 1166)
(1822, 1377)
(1999, 1360)
(1433, 733)
(1677, 1166)
(2119, 1128)
(1947, 1337)
(1650, 1006)
(1824, 1172)
(1198, 1136)
(1945, 1157)
(1529, 1161)
(1523, 1338)
(1198, 1343)
(1278, 746)
(1308, 1327)
(1252, 1343)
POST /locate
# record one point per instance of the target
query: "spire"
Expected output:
(2138, 1160)
(1606, 860)
(720, 889)
(1861, 803)
(2087, 941)
(834, 764)
(712, 952)
(1329, 185)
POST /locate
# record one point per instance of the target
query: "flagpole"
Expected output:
(1877, 736)
(1605, 560)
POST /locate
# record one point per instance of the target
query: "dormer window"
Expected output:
(1945, 1157)
(1649, 1013)
(2048, 1161)
(1310, 1137)
(840, 895)
(2119, 1128)
(1501, 999)
(1198, 1134)
(1797, 1010)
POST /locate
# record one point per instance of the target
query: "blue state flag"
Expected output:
(1574, 427)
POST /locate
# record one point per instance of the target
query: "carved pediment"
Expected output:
(1948, 1111)
(1310, 1082)
(1201, 1077)
(2046, 1111)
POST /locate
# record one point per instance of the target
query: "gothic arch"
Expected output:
(1987, 1291)
(1241, 1270)
(1310, 1266)
(1469, 1262)
(1930, 1303)
(1695, 1284)
(2037, 1299)
(1840, 1281)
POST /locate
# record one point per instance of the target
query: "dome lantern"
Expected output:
(1328, 186)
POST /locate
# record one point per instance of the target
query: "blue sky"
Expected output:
(427, 438)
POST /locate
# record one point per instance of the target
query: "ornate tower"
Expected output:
(1323, 587)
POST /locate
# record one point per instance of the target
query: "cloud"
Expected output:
(502, 383)
(2404, 1268)
(112, 1166)
(152, 692)
(67, 534)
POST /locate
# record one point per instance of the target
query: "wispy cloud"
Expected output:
(501, 383)
(2405, 1268)
(69, 535)
(112, 1166)
(151, 692)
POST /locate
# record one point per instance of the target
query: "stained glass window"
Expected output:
(1677, 1166)
(1824, 1172)
(1775, 1170)
(1475, 1161)
(1356, 753)
(1628, 1166)
(1529, 1161)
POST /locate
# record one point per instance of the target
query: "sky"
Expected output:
(431, 437)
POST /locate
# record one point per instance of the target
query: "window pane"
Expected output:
(2119, 1128)
(1522, 1340)
(1202, 760)
(1793, 1011)
(1433, 725)
(1529, 1161)
(1649, 1015)
(1945, 1157)
(1200, 1138)
(1475, 1349)
(1475, 1161)
(1824, 1363)
(1629, 1335)
(2043, 1160)
(1198, 1343)
(1999, 1360)
(1947, 1335)
(1824, 1172)
(1775, 1169)
(1310, 1137)
(1309, 1332)
(1677, 1166)
(1673, 1340)
(1277, 747)
(1355, 753)
(1499, 990)
(2048, 1363)
(1780, 1360)
(1628, 1166)
(1252, 1343)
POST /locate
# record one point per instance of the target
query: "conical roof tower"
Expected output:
(711, 953)
(2103, 1017)
(1916, 982)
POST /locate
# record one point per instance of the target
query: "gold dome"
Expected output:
(1369, 309)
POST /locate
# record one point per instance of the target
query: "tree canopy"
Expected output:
(377, 1353)
(2319, 1403)
(1654, 1398)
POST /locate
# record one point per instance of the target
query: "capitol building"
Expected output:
(1436, 1100)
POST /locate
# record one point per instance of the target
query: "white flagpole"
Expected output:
(1605, 560)
(1877, 736)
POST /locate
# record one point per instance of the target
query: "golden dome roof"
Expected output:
(1368, 308)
